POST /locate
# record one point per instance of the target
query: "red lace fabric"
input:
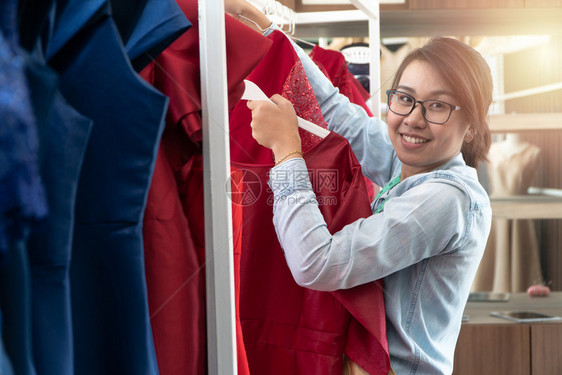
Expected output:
(298, 91)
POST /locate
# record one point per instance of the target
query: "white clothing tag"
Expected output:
(253, 92)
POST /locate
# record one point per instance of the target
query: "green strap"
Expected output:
(386, 188)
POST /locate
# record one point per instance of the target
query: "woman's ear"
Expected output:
(469, 136)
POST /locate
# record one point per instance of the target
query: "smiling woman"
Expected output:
(429, 224)
(460, 67)
(424, 139)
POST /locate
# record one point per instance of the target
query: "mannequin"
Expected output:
(512, 144)
(511, 260)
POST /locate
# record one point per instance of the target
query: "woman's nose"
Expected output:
(416, 118)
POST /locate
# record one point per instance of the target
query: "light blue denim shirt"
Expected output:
(426, 243)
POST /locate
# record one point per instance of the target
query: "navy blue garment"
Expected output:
(5, 363)
(8, 22)
(22, 196)
(161, 22)
(72, 16)
(42, 85)
(63, 143)
(15, 302)
(112, 332)
(126, 14)
(63, 138)
(32, 17)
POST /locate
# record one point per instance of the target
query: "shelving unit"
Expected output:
(422, 22)
(527, 207)
(525, 122)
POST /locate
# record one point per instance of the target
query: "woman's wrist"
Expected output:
(289, 155)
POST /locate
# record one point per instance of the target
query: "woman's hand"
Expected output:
(274, 125)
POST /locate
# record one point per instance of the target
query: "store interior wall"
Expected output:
(541, 65)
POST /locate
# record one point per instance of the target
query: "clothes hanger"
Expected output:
(256, 24)
(302, 41)
(253, 92)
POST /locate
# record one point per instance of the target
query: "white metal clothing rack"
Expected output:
(221, 338)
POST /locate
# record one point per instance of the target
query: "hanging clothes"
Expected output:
(160, 23)
(335, 66)
(32, 18)
(63, 142)
(238, 201)
(71, 17)
(22, 195)
(112, 333)
(38, 310)
(293, 330)
(15, 304)
(5, 363)
(63, 135)
(126, 15)
(173, 223)
(265, 279)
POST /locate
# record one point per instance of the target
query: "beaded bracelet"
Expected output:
(287, 155)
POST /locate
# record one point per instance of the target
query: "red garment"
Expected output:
(279, 72)
(236, 178)
(173, 223)
(293, 330)
(335, 67)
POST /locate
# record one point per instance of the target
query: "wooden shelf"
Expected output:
(527, 207)
(525, 122)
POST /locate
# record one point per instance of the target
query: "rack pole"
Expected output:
(371, 8)
(375, 63)
(221, 339)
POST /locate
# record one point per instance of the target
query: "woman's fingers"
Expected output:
(274, 124)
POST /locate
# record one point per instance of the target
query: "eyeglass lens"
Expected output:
(433, 110)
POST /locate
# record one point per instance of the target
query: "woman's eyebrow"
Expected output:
(407, 88)
(433, 93)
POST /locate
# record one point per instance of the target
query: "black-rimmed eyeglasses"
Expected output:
(434, 111)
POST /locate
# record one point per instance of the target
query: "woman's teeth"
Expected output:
(414, 140)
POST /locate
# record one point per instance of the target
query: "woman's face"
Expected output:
(421, 145)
